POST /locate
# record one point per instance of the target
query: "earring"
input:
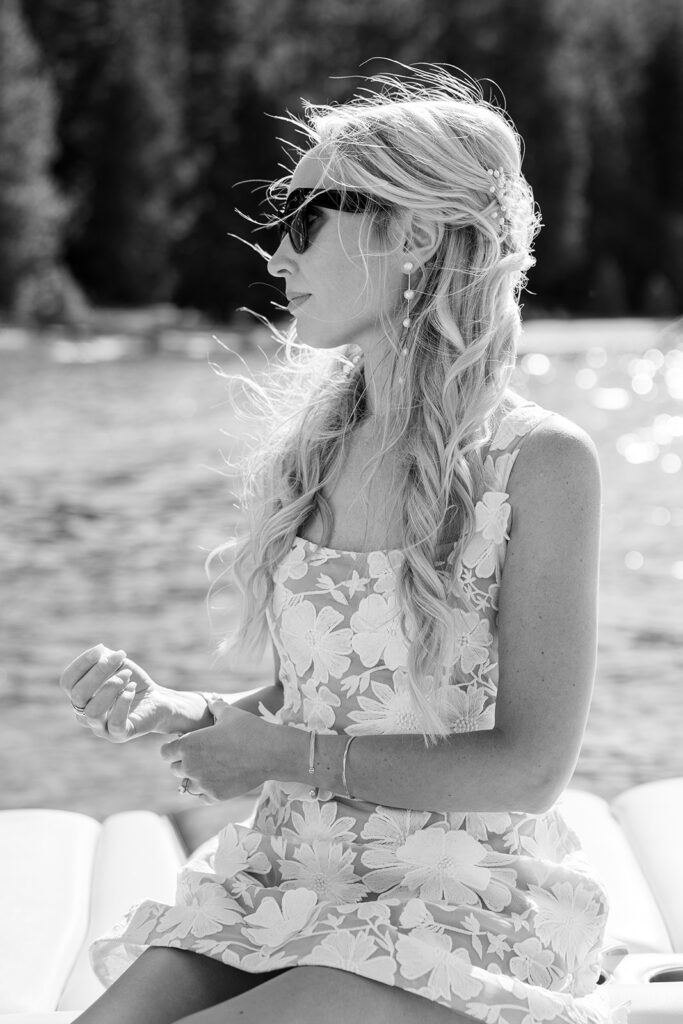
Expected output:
(408, 294)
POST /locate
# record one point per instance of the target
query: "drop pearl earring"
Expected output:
(408, 294)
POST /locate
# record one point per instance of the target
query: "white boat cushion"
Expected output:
(67, 879)
(70, 878)
(56, 1017)
(651, 817)
(138, 857)
(47, 861)
(634, 918)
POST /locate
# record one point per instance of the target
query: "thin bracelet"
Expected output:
(346, 754)
(311, 759)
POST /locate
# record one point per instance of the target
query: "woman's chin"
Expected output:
(316, 338)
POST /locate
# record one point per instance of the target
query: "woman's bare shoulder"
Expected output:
(557, 457)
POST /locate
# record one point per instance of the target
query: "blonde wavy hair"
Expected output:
(423, 144)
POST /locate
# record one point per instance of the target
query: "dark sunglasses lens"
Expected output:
(295, 224)
(298, 230)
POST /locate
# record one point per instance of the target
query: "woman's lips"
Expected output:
(298, 301)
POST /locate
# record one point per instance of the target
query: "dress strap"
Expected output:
(507, 441)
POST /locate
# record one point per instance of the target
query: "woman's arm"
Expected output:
(547, 621)
(189, 709)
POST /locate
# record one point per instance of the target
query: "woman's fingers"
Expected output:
(83, 677)
(98, 709)
(119, 726)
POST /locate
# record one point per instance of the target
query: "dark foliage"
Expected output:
(31, 213)
(165, 124)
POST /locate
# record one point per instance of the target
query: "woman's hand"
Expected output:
(228, 759)
(119, 701)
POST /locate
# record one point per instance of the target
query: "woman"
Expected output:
(434, 626)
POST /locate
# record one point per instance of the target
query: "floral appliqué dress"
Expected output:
(496, 915)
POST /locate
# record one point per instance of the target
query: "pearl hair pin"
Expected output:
(501, 190)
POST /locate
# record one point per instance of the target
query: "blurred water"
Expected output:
(112, 492)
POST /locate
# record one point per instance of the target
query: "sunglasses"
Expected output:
(297, 213)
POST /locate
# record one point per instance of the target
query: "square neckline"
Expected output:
(365, 554)
(401, 551)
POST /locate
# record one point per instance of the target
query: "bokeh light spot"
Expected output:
(674, 382)
(670, 463)
(642, 384)
(535, 364)
(586, 379)
(596, 357)
(633, 560)
(656, 356)
(641, 451)
(611, 398)
(660, 515)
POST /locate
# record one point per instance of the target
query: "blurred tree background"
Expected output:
(131, 129)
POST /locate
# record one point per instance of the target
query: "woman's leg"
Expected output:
(165, 984)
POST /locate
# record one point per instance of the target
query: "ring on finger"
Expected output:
(79, 710)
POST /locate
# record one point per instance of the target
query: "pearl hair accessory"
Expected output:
(501, 190)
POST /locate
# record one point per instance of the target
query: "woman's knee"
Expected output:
(166, 984)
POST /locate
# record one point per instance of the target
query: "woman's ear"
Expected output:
(423, 238)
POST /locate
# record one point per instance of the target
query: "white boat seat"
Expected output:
(72, 877)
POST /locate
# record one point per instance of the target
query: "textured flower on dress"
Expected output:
(492, 514)
(293, 566)
(545, 842)
(381, 569)
(447, 865)
(391, 826)
(531, 962)
(444, 865)
(319, 704)
(319, 824)
(569, 918)
(355, 953)
(327, 870)
(312, 637)
(384, 832)
(273, 924)
(450, 971)
(416, 915)
(497, 471)
(471, 639)
(467, 708)
(479, 824)
(204, 908)
(238, 851)
(391, 711)
(377, 633)
(511, 427)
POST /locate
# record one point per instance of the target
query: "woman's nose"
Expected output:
(280, 263)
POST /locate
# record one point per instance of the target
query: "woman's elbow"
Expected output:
(546, 791)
